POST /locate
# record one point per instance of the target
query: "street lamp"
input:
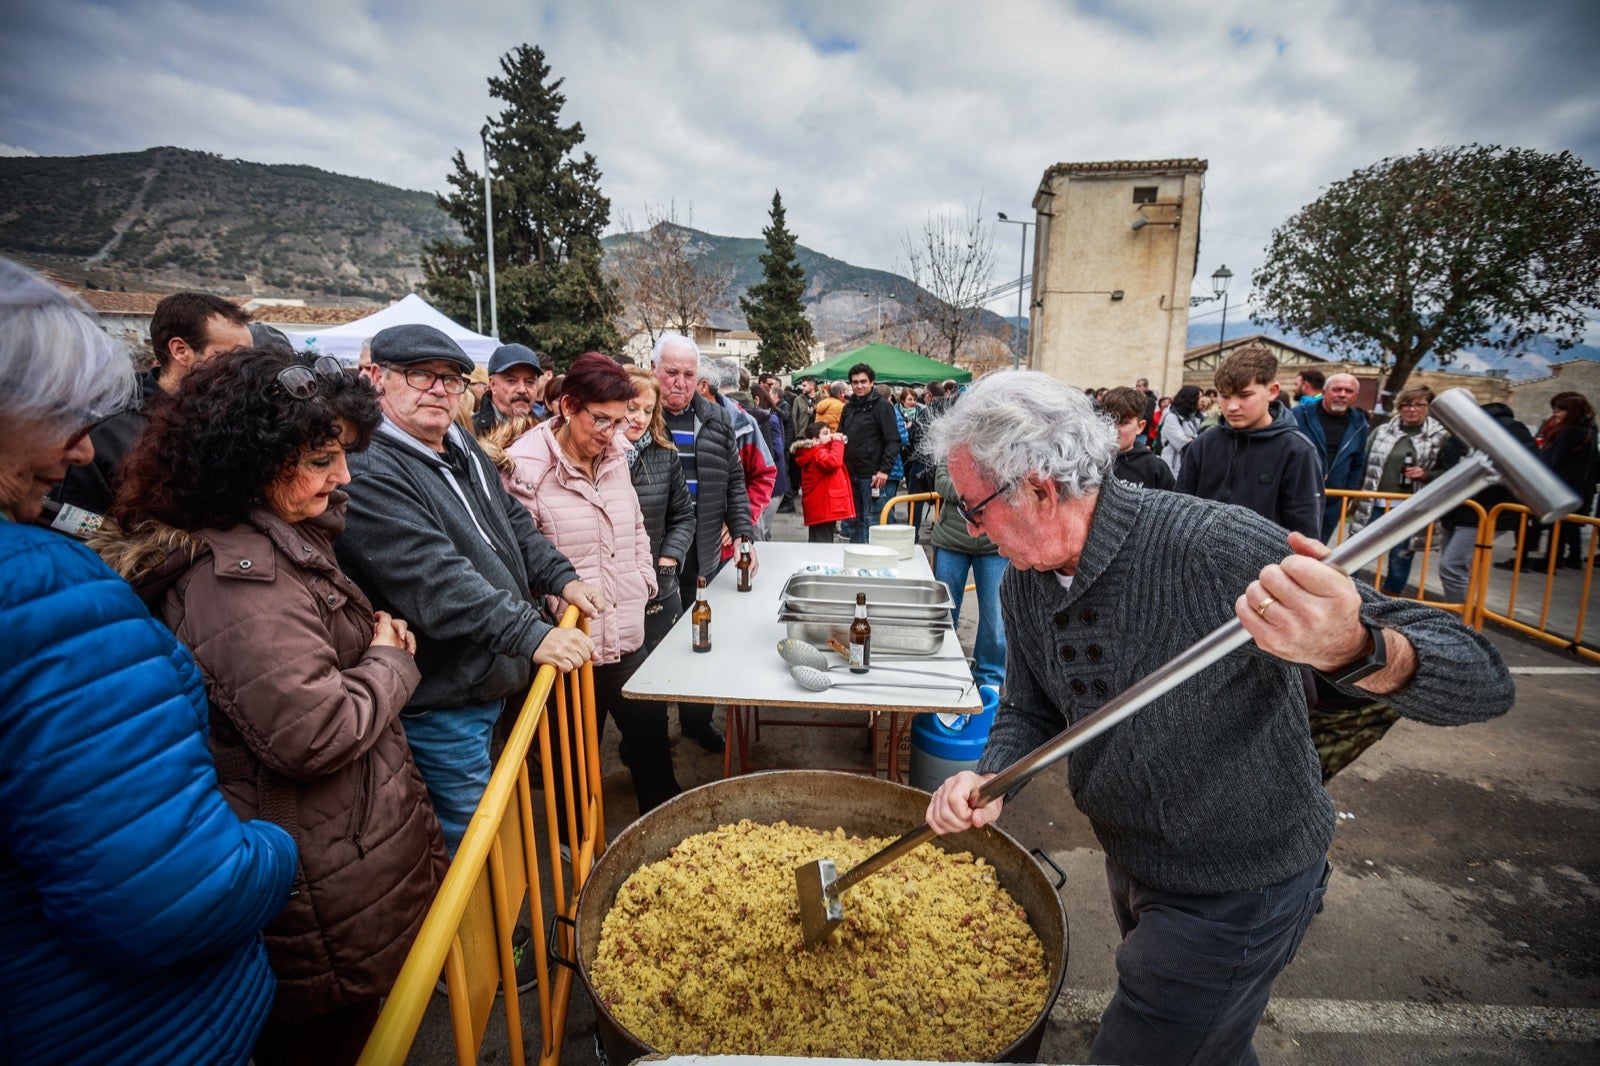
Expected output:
(1219, 287)
(477, 295)
(1022, 259)
(488, 229)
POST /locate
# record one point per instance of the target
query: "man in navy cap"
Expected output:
(517, 377)
(432, 535)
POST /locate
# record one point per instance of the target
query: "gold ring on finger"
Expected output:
(1261, 608)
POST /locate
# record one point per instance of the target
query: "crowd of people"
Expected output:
(294, 600)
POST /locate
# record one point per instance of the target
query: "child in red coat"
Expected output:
(825, 493)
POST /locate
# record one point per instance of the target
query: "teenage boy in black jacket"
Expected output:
(1135, 463)
(1257, 459)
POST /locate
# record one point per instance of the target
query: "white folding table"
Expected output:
(744, 671)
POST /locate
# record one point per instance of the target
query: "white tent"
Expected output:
(344, 342)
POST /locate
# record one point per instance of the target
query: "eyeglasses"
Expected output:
(422, 380)
(300, 381)
(973, 514)
(603, 424)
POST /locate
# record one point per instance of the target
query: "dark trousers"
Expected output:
(821, 533)
(643, 724)
(1194, 973)
(693, 716)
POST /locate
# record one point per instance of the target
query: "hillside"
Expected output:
(169, 218)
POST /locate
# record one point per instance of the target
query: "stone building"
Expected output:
(1114, 257)
(1530, 399)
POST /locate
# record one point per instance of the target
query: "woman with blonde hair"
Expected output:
(664, 499)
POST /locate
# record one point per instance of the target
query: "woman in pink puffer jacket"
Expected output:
(571, 473)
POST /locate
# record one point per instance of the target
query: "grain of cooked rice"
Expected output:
(702, 953)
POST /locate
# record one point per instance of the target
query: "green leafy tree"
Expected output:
(772, 306)
(1432, 252)
(548, 216)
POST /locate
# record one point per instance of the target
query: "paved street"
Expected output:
(1462, 923)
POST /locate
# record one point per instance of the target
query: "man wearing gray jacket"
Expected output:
(432, 535)
(1209, 803)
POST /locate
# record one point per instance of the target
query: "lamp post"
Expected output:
(488, 229)
(477, 296)
(1022, 262)
(1219, 287)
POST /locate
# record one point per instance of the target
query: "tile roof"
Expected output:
(1127, 166)
(310, 316)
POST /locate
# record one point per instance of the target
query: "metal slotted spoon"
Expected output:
(800, 653)
(819, 681)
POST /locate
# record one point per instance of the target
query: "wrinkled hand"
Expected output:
(391, 632)
(1313, 612)
(564, 649)
(1413, 473)
(879, 480)
(585, 597)
(950, 810)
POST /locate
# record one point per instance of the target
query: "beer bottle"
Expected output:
(745, 584)
(700, 619)
(860, 637)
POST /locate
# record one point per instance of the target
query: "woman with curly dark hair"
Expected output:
(228, 510)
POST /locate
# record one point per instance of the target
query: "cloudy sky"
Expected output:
(867, 115)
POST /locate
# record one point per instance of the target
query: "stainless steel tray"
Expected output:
(887, 597)
(913, 639)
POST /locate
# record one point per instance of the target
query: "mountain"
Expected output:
(1534, 361)
(846, 303)
(169, 218)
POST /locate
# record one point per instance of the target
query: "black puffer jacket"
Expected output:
(720, 496)
(664, 498)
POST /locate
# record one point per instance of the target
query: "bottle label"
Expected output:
(702, 636)
(76, 522)
(858, 656)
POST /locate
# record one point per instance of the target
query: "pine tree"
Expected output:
(548, 216)
(773, 307)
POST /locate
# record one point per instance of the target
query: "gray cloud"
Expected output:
(867, 117)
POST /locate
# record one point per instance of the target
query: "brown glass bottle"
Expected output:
(700, 619)
(745, 567)
(860, 637)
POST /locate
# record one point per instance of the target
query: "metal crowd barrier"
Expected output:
(1561, 631)
(1552, 622)
(467, 933)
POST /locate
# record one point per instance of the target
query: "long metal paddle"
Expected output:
(1498, 457)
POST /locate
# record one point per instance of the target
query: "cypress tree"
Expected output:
(772, 306)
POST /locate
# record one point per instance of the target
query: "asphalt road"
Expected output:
(1462, 923)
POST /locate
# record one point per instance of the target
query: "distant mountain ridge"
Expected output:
(170, 218)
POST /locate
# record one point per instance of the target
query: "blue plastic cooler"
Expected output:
(943, 744)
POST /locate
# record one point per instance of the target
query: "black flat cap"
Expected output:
(404, 345)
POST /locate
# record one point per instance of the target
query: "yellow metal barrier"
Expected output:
(910, 498)
(1546, 628)
(467, 934)
(1381, 503)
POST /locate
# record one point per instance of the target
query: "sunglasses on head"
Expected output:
(300, 381)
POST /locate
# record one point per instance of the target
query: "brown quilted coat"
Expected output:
(305, 732)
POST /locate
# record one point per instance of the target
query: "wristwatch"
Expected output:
(1367, 665)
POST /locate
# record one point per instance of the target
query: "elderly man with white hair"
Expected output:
(1209, 803)
(707, 447)
(1339, 430)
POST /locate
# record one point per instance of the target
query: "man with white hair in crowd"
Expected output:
(1339, 430)
(717, 381)
(704, 435)
(1209, 804)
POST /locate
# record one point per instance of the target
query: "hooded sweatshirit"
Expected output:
(1274, 471)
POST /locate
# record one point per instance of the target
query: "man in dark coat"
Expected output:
(1338, 428)
(187, 329)
(872, 443)
(517, 376)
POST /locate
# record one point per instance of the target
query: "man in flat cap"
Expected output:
(433, 536)
(517, 377)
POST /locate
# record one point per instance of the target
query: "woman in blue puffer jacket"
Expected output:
(131, 898)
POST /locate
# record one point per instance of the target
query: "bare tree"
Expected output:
(951, 264)
(664, 278)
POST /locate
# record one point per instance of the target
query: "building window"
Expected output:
(1144, 194)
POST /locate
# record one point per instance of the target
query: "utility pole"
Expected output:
(488, 229)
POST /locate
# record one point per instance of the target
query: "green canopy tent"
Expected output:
(893, 366)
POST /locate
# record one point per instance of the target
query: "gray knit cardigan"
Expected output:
(1214, 787)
